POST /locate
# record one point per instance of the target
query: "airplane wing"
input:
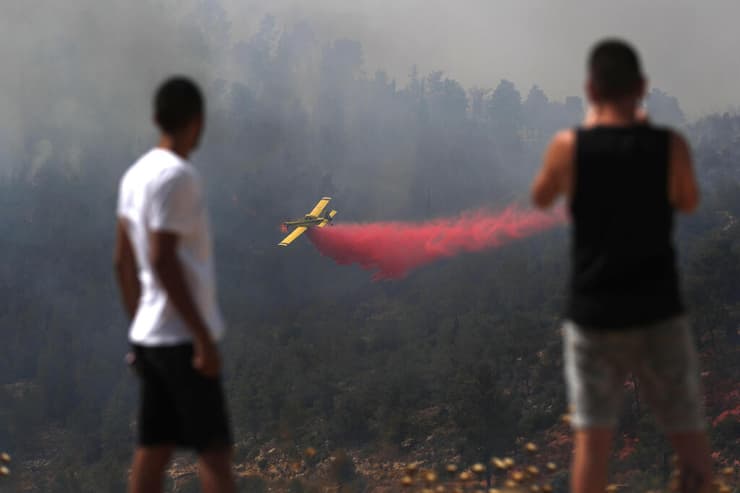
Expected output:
(293, 235)
(320, 206)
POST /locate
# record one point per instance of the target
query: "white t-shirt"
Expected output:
(162, 192)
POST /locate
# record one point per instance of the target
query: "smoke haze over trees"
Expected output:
(317, 354)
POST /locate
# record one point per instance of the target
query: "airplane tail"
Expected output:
(327, 219)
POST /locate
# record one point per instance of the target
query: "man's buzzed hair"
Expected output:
(178, 102)
(614, 69)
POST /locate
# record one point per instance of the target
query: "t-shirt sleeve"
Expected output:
(121, 203)
(175, 204)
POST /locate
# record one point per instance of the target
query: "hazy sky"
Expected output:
(65, 62)
(689, 47)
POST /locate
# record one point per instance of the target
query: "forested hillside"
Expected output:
(458, 362)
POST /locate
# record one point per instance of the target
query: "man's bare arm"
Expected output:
(553, 180)
(683, 191)
(126, 271)
(166, 264)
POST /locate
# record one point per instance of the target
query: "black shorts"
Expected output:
(179, 406)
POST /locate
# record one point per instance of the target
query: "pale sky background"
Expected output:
(689, 48)
(65, 62)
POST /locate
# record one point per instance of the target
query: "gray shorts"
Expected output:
(660, 356)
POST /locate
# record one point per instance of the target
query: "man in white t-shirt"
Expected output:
(164, 266)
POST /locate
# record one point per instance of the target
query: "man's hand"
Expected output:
(206, 359)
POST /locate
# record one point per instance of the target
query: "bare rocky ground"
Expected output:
(276, 467)
(281, 465)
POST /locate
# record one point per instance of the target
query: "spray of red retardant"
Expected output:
(392, 249)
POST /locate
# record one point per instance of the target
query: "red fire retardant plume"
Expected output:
(392, 249)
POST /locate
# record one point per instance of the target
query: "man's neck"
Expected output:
(175, 145)
(616, 114)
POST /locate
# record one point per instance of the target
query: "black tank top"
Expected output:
(623, 262)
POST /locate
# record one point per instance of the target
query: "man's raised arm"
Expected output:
(553, 179)
(683, 190)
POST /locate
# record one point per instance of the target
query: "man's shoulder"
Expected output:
(566, 136)
(160, 168)
(563, 142)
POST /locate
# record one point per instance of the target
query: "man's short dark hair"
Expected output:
(614, 69)
(178, 102)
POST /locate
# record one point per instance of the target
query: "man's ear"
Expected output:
(195, 130)
(642, 89)
(591, 92)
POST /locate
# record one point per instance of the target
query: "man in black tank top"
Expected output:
(623, 179)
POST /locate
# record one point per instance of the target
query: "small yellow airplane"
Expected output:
(316, 218)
